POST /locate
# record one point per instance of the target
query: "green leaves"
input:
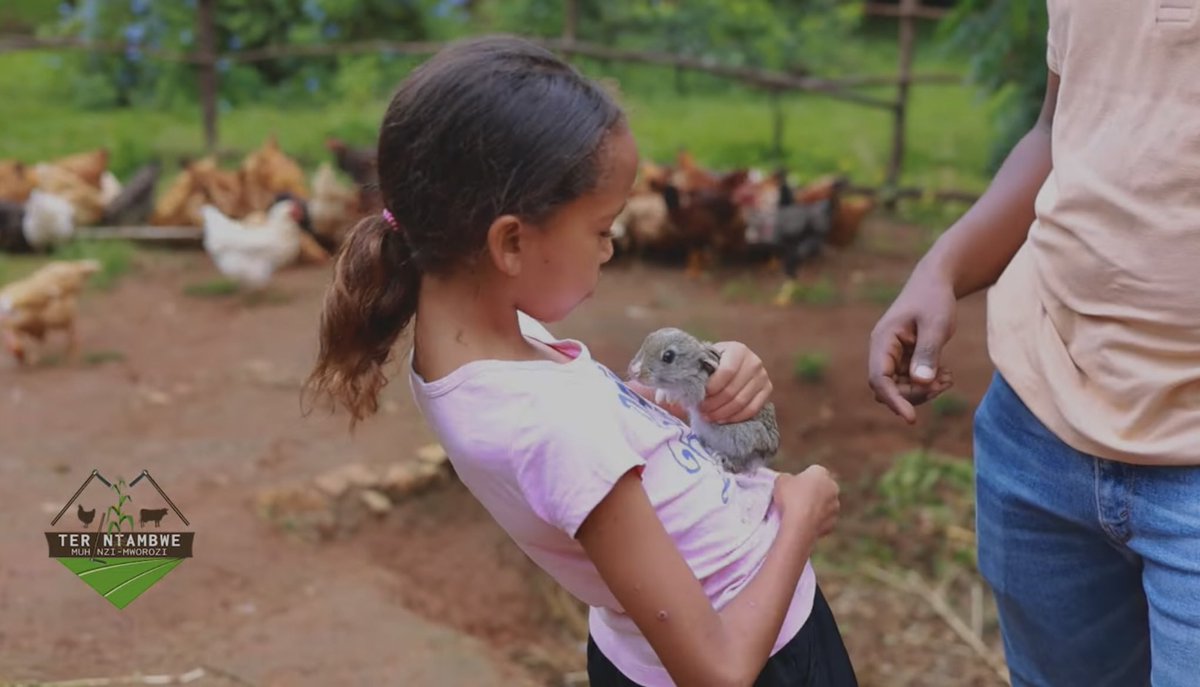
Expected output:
(1007, 43)
(120, 580)
(117, 516)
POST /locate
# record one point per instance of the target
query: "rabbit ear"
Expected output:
(709, 360)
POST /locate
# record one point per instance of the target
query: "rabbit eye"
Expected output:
(668, 356)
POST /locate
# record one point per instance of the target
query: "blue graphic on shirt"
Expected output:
(687, 449)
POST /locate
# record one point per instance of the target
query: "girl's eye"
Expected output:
(606, 234)
(668, 356)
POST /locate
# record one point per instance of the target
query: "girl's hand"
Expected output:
(739, 388)
(810, 497)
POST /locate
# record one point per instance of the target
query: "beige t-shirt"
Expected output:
(1096, 322)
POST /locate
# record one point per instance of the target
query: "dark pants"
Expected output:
(816, 657)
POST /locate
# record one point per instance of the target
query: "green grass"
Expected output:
(821, 292)
(810, 367)
(950, 404)
(117, 258)
(880, 292)
(723, 125)
(742, 289)
(102, 357)
(17, 15)
(214, 288)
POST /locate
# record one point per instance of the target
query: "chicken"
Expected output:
(250, 253)
(333, 208)
(16, 181)
(84, 196)
(42, 223)
(110, 188)
(85, 516)
(708, 218)
(267, 172)
(359, 164)
(801, 229)
(850, 214)
(89, 167)
(850, 211)
(135, 201)
(643, 223)
(688, 176)
(201, 182)
(43, 302)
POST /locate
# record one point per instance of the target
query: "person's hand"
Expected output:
(811, 497)
(906, 345)
(739, 388)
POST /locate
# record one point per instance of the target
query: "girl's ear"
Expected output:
(504, 244)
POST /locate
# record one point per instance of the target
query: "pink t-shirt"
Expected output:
(540, 444)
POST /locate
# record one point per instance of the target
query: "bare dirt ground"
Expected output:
(204, 393)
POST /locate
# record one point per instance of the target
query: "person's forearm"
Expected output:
(973, 253)
(751, 622)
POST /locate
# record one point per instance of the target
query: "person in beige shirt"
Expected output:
(1087, 443)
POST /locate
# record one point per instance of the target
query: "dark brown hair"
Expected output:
(487, 127)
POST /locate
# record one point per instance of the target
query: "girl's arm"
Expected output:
(654, 584)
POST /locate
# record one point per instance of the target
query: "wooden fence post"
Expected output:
(207, 65)
(909, 9)
(571, 21)
(777, 128)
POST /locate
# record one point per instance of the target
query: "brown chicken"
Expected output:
(17, 181)
(708, 218)
(89, 166)
(85, 198)
(849, 214)
(360, 165)
(43, 302)
(200, 183)
(689, 177)
(268, 172)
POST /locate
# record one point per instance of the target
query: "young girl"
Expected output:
(502, 169)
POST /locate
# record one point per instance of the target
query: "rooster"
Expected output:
(85, 516)
(801, 230)
(248, 253)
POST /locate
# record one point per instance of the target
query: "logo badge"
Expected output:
(119, 545)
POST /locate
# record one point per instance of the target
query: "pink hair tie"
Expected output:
(391, 219)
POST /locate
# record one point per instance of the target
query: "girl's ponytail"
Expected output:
(372, 299)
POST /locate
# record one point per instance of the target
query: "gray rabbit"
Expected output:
(678, 366)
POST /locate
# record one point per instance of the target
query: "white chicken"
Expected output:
(333, 205)
(48, 220)
(251, 253)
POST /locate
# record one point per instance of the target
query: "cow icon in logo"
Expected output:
(154, 515)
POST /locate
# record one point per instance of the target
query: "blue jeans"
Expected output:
(1095, 565)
